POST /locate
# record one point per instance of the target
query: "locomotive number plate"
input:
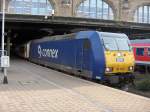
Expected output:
(120, 60)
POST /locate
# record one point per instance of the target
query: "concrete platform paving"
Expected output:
(33, 88)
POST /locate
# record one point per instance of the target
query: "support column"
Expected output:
(6, 5)
(0, 7)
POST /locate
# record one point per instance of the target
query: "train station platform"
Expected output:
(33, 88)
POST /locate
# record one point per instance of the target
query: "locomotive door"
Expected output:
(79, 56)
(83, 56)
(86, 54)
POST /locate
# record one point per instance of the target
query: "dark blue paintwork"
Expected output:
(73, 52)
(98, 57)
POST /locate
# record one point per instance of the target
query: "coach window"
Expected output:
(140, 51)
(148, 51)
(31, 7)
(142, 14)
(95, 9)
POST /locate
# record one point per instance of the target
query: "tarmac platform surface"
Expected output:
(33, 88)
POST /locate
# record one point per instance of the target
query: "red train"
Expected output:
(141, 50)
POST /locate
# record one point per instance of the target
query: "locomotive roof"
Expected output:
(56, 37)
(73, 36)
(116, 35)
(106, 34)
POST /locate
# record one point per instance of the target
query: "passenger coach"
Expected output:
(141, 50)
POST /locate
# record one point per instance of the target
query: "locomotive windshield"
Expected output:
(115, 44)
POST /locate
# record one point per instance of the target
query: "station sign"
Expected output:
(5, 61)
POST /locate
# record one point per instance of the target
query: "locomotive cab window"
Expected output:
(116, 44)
(140, 51)
(123, 44)
(110, 44)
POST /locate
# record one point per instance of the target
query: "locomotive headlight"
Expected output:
(130, 68)
(119, 54)
(108, 69)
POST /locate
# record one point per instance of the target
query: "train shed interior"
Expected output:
(19, 31)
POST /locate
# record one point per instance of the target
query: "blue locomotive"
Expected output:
(92, 54)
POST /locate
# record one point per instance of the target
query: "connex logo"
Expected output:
(50, 53)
